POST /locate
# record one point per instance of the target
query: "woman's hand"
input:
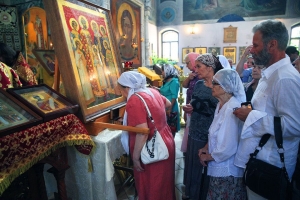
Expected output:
(242, 113)
(204, 150)
(204, 155)
(137, 165)
(204, 158)
(140, 140)
(247, 51)
(192, 76)
(168, 112)
(188, 108)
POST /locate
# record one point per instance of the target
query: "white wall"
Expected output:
(153, 40)
(210, 35)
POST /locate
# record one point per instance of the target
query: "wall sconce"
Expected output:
(142, 39)
(124, 36)
(192, 29)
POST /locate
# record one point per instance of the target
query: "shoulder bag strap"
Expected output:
(148, 111)
(151, 154)
(278, 138)
(262, 142)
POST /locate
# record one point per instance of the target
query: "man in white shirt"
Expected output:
(277, 94)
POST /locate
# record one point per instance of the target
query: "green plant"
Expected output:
(157, 60)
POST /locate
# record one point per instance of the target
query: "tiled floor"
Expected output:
(128, 192)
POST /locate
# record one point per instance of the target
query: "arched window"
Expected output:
(295, 36)
(170, 45)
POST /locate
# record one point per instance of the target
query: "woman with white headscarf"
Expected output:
(224, 62)
(170, 89)
(156, 180)
(226, 179)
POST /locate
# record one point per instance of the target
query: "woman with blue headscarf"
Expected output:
(170, 90)
(155, 180)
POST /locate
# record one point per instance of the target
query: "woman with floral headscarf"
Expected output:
(170, 90)
(226, 179)
(201, 108)
(155, 180)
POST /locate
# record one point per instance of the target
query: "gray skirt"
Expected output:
(195, 175)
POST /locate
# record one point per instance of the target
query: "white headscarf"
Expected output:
(136, 82)
(231, 83)
(224, 62)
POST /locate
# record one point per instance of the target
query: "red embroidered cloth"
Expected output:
(8, 77)
(21, 150)
(23, 70)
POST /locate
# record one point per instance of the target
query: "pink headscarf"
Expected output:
(192, 57)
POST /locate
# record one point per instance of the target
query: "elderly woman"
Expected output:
(156, 180)
(191, 80)
(189, 83)
(226, 180)
(170, 90)
(201, 107)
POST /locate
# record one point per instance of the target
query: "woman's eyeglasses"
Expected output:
(214, 82)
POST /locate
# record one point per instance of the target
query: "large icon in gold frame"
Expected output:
(230, 34)
(88, 58)
(127, 23)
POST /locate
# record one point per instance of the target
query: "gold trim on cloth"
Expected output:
(21, 150)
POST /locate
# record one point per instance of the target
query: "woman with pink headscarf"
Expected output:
(191, 80)
(189, 83)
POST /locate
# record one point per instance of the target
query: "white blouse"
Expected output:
(224, 135)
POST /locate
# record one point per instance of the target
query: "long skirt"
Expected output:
(229, 188)
(195, 175)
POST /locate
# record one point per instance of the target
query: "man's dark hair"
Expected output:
(291, 50)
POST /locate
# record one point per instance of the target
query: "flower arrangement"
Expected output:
(127, 65)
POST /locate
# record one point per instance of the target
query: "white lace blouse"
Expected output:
(224, 135)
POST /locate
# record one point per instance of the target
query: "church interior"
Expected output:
(61, 123)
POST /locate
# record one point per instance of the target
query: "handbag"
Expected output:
(159, 150)
(172, 122)
(267, 180)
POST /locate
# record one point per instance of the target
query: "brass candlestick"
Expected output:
(181, 98)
